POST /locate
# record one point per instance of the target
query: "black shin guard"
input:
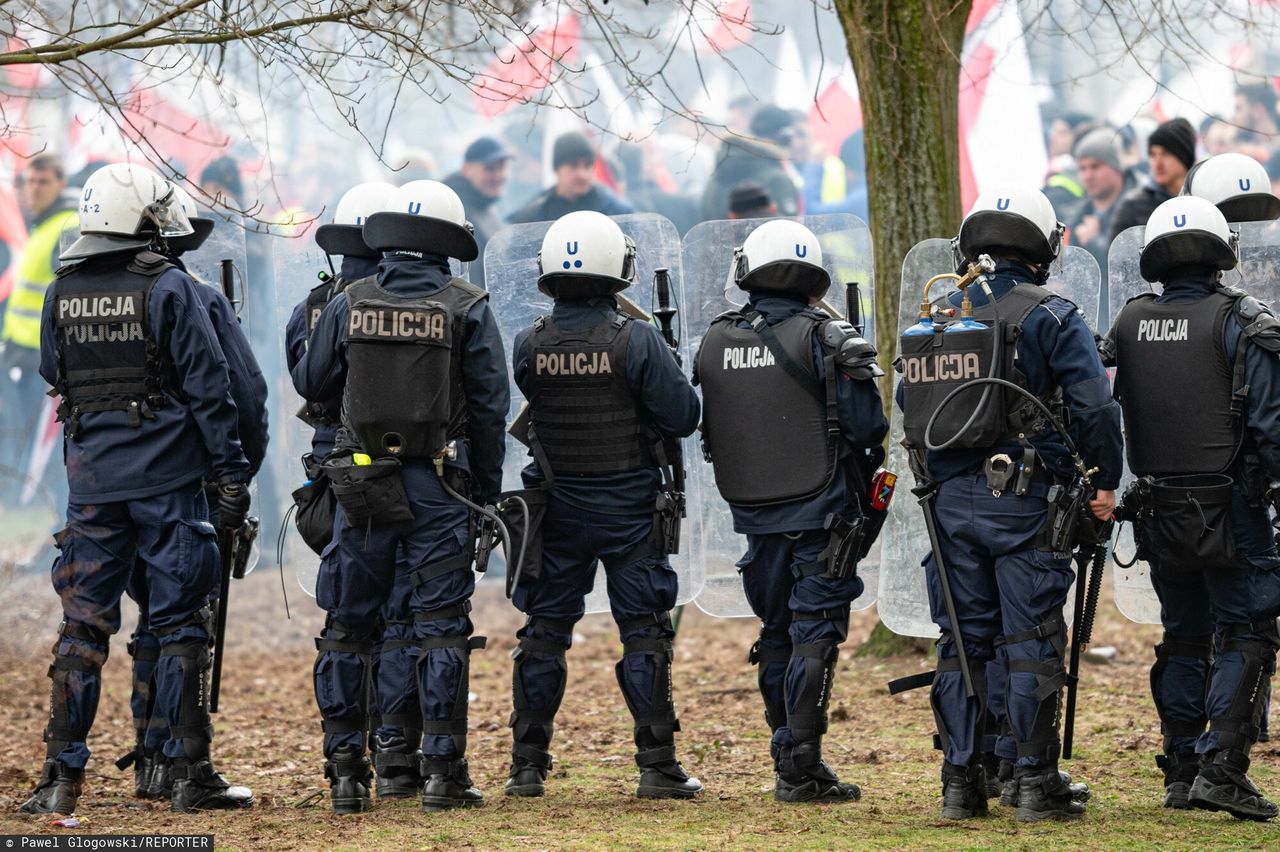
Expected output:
(341, 638)
(1051, 676)
(60, 732)
(194, 726)
(1238, 729)
(775, 705)
(655, 729)
(1171, 645)
(456, 725)
(532, 728)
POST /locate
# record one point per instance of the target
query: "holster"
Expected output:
(1066, 503)
(667, 512)
(524, 561)
(845, 545)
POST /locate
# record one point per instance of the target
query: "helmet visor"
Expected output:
(168, 216)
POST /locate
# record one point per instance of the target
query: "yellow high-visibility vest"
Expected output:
(35, 272)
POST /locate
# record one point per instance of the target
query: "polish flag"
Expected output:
(1001, 138)
(523, 69)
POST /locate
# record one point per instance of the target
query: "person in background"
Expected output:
(480, 183)
(1171, 151)
(761, 158)
(573, 158)
(751, 201)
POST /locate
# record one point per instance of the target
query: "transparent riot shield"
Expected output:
(33, 480)
(904, 597)
(298, 266)
(226, 243)
(511, 274)
(1259, 275)
(708, 261)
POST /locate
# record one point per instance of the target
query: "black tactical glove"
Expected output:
(233, 504)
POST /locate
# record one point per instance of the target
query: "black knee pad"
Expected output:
(529, 725)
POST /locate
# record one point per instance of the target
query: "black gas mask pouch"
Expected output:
(522, 513)
(1191, 517)
(370, 494)
(315, 506)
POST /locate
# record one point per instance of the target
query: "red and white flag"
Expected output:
(1001, 139)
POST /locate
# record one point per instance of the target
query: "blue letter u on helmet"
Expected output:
(1002, 204)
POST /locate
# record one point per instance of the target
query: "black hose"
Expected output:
(1044, 409)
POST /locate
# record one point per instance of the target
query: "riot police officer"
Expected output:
(417, 358)
(1008, 581)
(1203, 525)
(147, 414)
(1240, 187)
(793, 424)
(249, 393)
(603, 391)
(343, 238)
(393, 663)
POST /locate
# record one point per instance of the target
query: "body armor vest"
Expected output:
(934, 365)
(108, 356)
(771, 427)
(321, 412)
(404, 395)
(1163, 353)
(583, 412)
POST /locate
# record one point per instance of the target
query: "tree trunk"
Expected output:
(906, 56)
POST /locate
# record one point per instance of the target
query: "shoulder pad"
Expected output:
(67, 268)
(1260, 326)
(468, 287)
(1147, 295)
(728, 316)
(851, 352)
(149, 263)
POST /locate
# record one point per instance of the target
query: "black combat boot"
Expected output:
(803, 776)
(662, 776)
(1009, 786)
(529, 768)
(991, 785)
(198, 787)
(1223, 785)
(1180, 770)
(350, 778)
(397, 764)
(447, 784)
(57, 791)
(963, 792)
(1045, 794)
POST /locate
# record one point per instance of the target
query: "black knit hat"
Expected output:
(572, 148)
(1178, 137)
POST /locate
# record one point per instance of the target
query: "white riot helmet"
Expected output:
(343, 237)
(1010, 220)
(585, 254)
(1187, 232)
(123, 206)
(781, 256)
(422, 215)
(201, 226)
(1237, 184)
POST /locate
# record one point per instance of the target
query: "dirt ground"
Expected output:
(269, 738)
